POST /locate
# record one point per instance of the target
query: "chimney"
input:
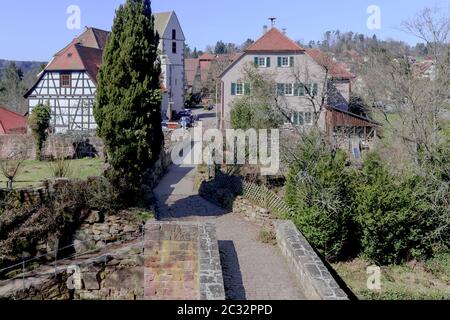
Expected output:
(284, 31)
(272, 21)
(265, 29)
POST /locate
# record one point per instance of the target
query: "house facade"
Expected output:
(68, 83)
(301, 76)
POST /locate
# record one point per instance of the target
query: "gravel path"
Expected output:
(252, 270)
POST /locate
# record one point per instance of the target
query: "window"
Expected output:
(301, 118)
(281, 89)
(289, 89)
(315, 89)
(66, 80)
(174, 34)
(308, 117)
(285, 62)
(174, 47)
(285, 89)
(239, 89)
(262, 62)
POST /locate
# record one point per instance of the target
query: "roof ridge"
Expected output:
(274, 31)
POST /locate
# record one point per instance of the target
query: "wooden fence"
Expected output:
(266, 198)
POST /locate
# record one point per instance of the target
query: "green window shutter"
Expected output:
(291, 62)
(315, 89)
(233, 89)
(279, 62)
(256, 62)
(268, 62)
(247, 89)
(280, 89)
(301, 119)
(295, 118)
(296, 89)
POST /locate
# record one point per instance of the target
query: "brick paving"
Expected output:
(251, 270)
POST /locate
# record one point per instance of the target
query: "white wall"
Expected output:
(173, 65)
(72, 108)
(304, 66)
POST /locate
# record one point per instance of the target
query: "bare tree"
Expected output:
(411, 103)
(10, 166)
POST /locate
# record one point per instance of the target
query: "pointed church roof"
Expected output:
(161, 21)
(274, 41)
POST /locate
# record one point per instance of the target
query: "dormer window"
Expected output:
(174, 34)
(66, 80)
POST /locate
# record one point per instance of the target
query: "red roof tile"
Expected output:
(77, 57)
(206, 56)
(12, 122)
(274, 40)
(336, 69)
(191, 67)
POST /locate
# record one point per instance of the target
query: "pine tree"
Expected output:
(127, 109)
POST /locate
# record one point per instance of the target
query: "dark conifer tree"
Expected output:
(128, 104)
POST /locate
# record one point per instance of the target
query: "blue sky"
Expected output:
(35, 30)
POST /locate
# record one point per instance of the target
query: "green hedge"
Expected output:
(345, 211)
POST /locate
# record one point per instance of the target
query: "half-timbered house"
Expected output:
(68, 83)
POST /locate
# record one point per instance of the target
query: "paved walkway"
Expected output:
(252, 270)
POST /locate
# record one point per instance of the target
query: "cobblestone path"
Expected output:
(252, 270)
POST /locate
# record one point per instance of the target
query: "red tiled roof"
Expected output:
(92, 60)
(336, 69)
(12, 122)
(274, 41)
(77, 57)
(94, 38)
(191, 68)
(206, 56)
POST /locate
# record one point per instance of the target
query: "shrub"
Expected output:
(39, 122)
(318, 190)
(394, 216)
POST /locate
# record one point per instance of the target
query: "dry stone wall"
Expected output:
(68, 146)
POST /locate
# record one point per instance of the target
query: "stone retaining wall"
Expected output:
(69, 146)
(256, 214)
(315, 279)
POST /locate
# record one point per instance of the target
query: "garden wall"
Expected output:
(68, 146)
(176, 260)
(314, 277)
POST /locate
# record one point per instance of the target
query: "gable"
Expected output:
(165, 22)
(274, 41)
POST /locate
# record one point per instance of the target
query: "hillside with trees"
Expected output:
(15, 79)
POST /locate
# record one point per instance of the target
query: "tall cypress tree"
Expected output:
(128, 104)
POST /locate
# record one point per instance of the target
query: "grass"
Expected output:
(268, 237)
(422, 281)
(33, 173)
